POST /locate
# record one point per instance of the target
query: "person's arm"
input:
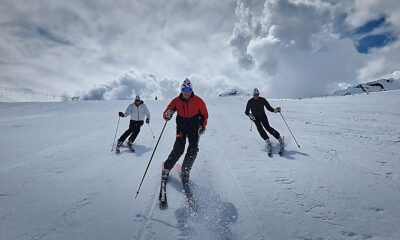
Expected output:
(268, 106)
(170, 110)
(248, 113)
(146, 111)
(204, 112)
(128, 111)
(247, 108)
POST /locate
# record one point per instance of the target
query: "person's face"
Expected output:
(137, 102)
(255, 96)
(186, 92)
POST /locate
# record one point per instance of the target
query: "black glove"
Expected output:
(121, 114)
(147, 120)
(168, 114)
(278, 109)
(202, 130)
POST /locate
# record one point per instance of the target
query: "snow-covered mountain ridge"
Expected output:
(374, 86)
(234, 92)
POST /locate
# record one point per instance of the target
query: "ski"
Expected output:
(186, 188)
(163, 194)
(163, 190)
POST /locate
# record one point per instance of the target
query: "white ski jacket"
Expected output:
(137, 112)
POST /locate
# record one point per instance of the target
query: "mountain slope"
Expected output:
(374, 86)
(59, 179)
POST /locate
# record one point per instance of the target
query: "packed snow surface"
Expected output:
(60, 180)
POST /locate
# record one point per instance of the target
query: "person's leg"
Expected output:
(190, 156)
(260, 129)
(127, 132)
(124, 136)
(136, 129)
(177, 151)
(271, 130)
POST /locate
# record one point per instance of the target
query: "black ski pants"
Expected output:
(262, 121)
(134, 129)
(192, 135)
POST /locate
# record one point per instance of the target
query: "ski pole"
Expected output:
(112, 148)
(151, 131)
(150, 159)
(289, 130)
(251, 126)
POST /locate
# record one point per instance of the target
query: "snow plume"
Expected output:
(148, 86)
(302, 48)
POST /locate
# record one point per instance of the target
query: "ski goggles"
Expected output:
(186, 89)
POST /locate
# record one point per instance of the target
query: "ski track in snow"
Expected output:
(64, 183)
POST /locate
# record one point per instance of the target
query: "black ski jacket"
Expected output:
(257, 107)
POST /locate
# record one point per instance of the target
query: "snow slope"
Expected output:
(374, 86)
(60, 180)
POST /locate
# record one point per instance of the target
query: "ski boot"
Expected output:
(184, 178)
(164, 175)
(130, 145)
(269, 146)
(119, 143)
(282, 144)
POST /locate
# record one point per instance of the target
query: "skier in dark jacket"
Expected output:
(255, 111)
(191, 122)
(137, 110)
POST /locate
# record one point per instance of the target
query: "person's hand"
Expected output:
(278, 109)
(147, 120)
(121, 114)
(168, 115)
(202, 130)
(252, 118)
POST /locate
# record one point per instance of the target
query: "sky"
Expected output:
(116, 50)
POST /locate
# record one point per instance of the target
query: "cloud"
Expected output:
(286, 48)
(148, 86)
(305, 48)
(77, 44)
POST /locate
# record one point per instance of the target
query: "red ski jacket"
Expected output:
(188, 110)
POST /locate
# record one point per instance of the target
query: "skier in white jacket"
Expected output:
(137, 111)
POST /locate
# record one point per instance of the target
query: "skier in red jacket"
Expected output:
(191, 122)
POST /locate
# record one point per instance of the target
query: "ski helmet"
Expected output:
(186, 84)
(256, 92)
(137, 98)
